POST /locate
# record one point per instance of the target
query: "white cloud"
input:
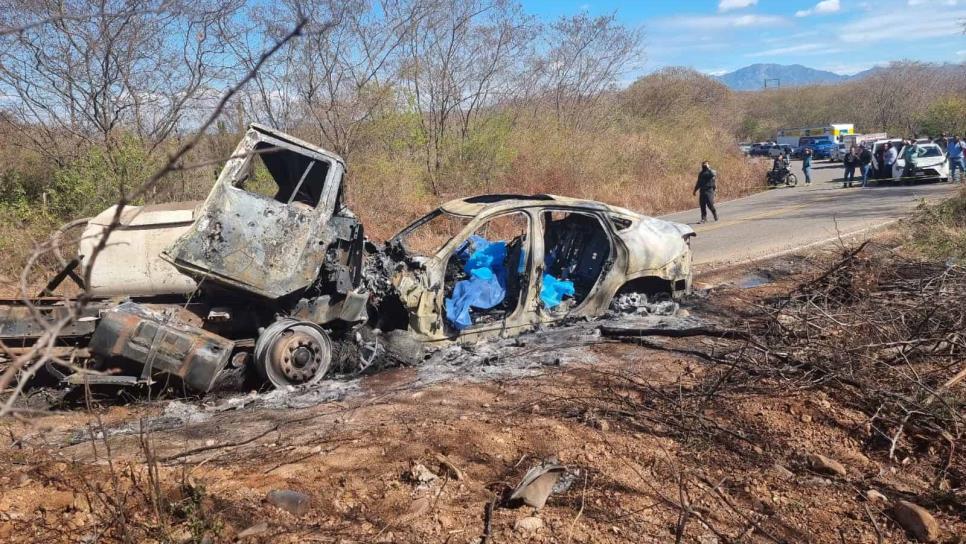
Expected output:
(900, 26)
(961, 53)
(721, 22)
(728, 5)
(804, 49)
(823, 7)
(851, 69)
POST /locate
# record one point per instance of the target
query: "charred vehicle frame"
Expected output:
(272, 271)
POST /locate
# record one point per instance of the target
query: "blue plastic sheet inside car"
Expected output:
(553, 291)
(485, 288)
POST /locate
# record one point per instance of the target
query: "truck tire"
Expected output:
(292, 353)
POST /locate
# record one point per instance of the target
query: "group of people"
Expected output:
(887, 154)
(861, 157)
(858, 157)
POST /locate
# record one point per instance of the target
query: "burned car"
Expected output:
(497, 265)
(271, 277)
(259, 276)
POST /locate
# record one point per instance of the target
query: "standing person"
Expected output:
(891, 154)
(807, 166)
(707, 184)
(850, 161)
(957, 161)
(942, 141)
(909, 155)
(865, 161)
(879, 163)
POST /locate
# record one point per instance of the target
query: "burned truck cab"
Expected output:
(261, 274)
(272, 221)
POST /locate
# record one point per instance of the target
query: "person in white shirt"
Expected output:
(891, 155)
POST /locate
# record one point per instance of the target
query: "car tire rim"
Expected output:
(293, 353)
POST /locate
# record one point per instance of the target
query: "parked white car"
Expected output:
(930, 163)
(838, 153)
(896, 142)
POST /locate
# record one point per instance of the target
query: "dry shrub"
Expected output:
(651, 171)
(640, 148)
(904, 99)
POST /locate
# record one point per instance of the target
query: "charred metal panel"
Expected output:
(653, 244)
(19, 323)
(252, 243)
(255, 243)
(160, 342)
(350, 308)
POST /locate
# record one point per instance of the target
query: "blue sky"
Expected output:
(843, 36)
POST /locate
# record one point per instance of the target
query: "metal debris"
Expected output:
(537, 484)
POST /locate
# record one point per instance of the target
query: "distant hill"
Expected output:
(752, 78)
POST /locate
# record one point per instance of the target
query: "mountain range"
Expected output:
(753, 78)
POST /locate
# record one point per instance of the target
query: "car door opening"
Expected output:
(576, 248)
(487, 273)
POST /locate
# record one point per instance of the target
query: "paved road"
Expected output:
(780, 220)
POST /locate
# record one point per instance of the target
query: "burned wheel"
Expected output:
(290, 352)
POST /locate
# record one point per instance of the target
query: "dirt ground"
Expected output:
(732, 469)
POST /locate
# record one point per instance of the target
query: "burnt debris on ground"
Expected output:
(874, 333)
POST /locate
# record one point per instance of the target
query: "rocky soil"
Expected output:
(659, 444)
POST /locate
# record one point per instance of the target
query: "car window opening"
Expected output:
(576, 247)
(283, 175)
(427, 236)
(486, 274)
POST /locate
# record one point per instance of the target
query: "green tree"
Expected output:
(947, 114)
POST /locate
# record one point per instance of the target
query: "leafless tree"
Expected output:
(87, 70)
(354, 74)
(895, 97)
(334, 82)
(461, 57)
(585, 58)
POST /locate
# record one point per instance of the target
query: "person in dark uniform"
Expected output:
(707, 183)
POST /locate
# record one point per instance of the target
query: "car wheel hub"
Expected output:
(291, 352)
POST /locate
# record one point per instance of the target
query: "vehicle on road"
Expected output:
(838, 153)
(776, 150)
(492, 265)
(745, 148)
(760, 149)
(863, 139)
(834, 132)
(930, 164)
(271, 279)
(879, 144)
(822, 148)
(783, 176)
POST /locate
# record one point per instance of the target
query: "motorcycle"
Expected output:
(783, 176)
